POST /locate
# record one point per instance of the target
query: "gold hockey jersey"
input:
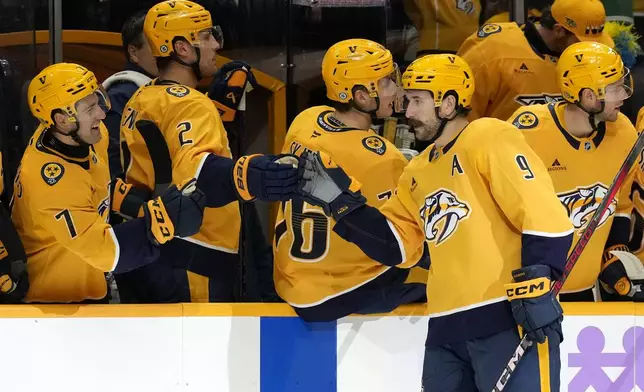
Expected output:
(443, 24)
(636, 244)
(189, 130)
(582, 170)
(485, 205)
(509, 70)
(312, 263)
(60, 210)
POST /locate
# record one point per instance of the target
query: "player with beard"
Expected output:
(483, 202)
(583, 141)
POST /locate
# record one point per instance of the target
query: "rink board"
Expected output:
(265, 348)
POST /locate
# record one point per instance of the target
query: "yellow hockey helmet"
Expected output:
(356, 62)
(591, 65)
(440, 74)
(181, 18)
(59, 87)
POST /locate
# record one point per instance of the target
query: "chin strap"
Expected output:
(444, 122)
(371, 113)
(73, 134)
(591, 114)
(194, 66)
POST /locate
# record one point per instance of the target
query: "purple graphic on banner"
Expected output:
(591, 359)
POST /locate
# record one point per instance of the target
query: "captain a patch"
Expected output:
(374, 144)
(52, 172)
(178, 91)
(526, 120)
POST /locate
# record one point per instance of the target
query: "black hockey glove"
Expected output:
(14, 282)
(228, 86)
(267, 177)
(178, 212)
(534, 306)
(326, 185)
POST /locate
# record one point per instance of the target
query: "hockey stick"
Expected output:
(574, 255)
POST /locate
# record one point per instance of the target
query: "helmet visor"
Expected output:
(103, 99)
(620, 90)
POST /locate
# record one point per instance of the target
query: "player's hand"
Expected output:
(267, 177)
(177, 212)
(620, 270)
(534, 306)
(228, 86)
(126, 200)
(326, 185)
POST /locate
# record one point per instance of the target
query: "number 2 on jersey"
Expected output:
(184, 127)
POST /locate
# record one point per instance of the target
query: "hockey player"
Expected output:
(171, 131)
(140, 68)
(515, 65)
(497, 235)
(583, 141)
(62, 195)
(318, 273)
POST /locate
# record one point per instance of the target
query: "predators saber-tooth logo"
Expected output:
(581, 204)
(441, 215)
(537, 99)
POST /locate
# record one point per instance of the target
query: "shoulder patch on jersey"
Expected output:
(374, 144)
(178, 91)
(488, 29)
(52, 172)
(526, 120)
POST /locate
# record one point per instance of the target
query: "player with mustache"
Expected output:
(483, 202)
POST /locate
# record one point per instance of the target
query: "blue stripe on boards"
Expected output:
(297, 356)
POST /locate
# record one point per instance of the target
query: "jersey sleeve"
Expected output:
(524, 192)
(403, 219)
(69, 215)
(487, 80)
(198, 145)
(390, 235)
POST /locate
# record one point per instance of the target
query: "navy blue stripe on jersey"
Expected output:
(133, 249)
(546, 248)
(470, 324)
(215, 179)
(380, 243)
(620, 231)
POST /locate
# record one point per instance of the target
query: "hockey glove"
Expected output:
(127, 200)
(326, 185)
(620, 269)
(14, 282)
(177, 212)
(228, 86)
(534, 306)
(267, 177)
